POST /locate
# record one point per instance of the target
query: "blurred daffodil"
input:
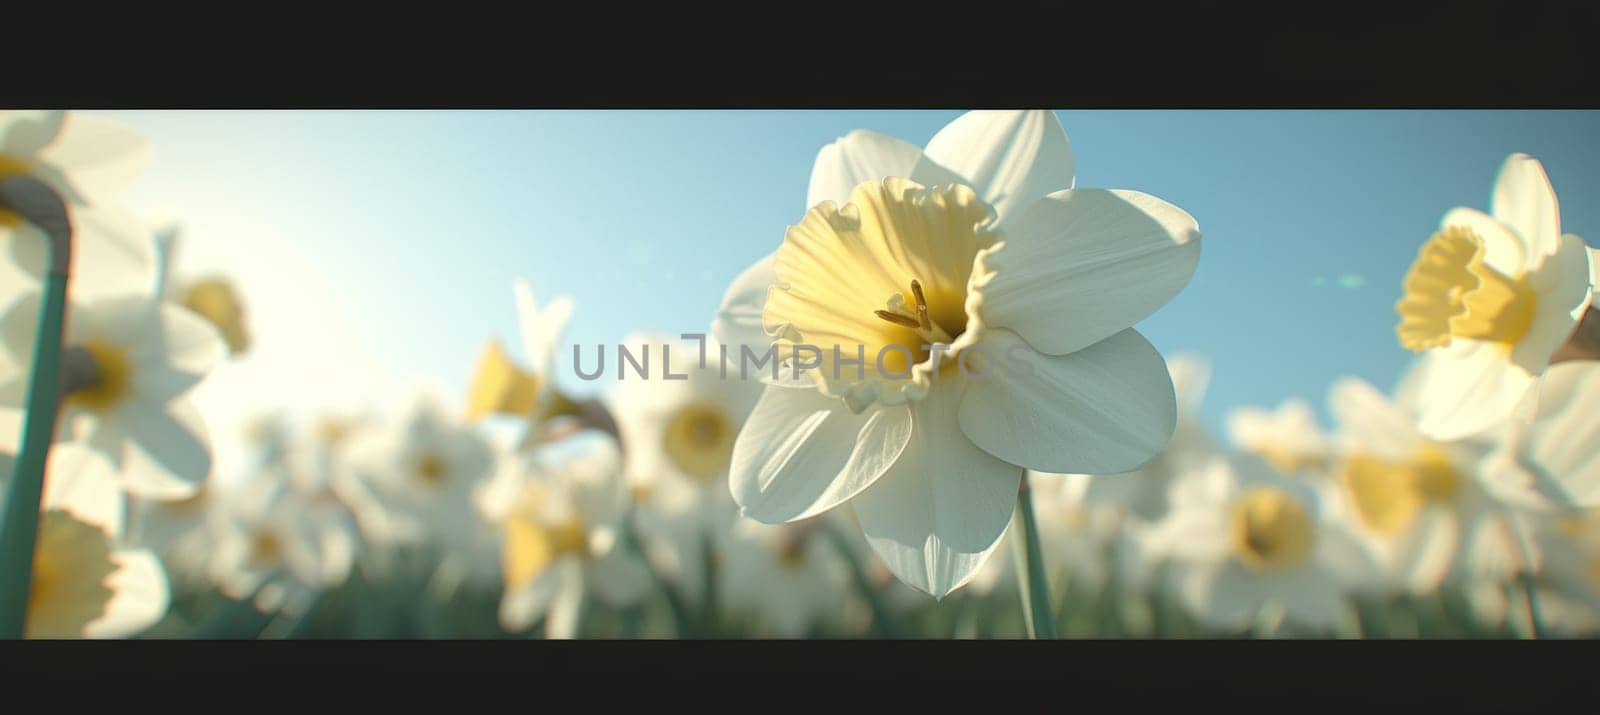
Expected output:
(87, 583)
(1248, 541)
(1287, 437)
(211, 296)
(421, 472)
(788, 576)
(1424, 503)
(560, 539)
(1494, 297)
(127, 367)
(89, 161)
(273, 547)
(946, 272)
(500, 386)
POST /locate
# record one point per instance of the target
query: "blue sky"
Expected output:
(393, 237)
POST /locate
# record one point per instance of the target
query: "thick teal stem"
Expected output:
(19, 522)
(1032, 581)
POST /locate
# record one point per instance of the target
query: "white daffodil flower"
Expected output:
(178, 531)
(86, 582)
(500, 386)
(981, 310)
(789, 577)
(1558, 454)
(1287, 437)
(561, 539)
(128, 364)
(89, 161)
(1247, 539)
(1424, 505)
(1493, 297)
(677, 437)
(210, 296)
(275, 547)
(421, 472)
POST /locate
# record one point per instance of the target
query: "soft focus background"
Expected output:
(376, 249)
(376, 444)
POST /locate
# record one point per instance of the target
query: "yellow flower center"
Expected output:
(883, 278)
(71, 564)
(1388, 494)
(215, 300)
(113, 377)
(45, 574)
(266, 549)
(1271, 529)
(1451, 293)
(699, 440)
(1436, 475)
(530, 546)
(642, 493)
(10, 167)
(333, 431)
(432, 469)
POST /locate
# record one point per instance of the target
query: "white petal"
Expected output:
(801, 453)
(1190, 377)
(112, 253)
(1563, 446)
(81, 481)
(1371, 419)
(939, 512)
(24, 133)
(1080, 265)
(738, 320)
(1564, 290)
(140, 596)
(1223, 594)
(169, 453)
(1594, 269)
(521, 607)
(180, 349)
(1011, 158)
(1104, 410)
(1524, 200)
(1469, 392)
(566, 610)
(541, 332)
(18, 328)
(859, 156)
(1427, 550)
(99, 157)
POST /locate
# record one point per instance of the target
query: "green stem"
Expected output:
(19, 523)
(1032, 583)
(1525, 579)
(1531, 598)
(708, 586)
